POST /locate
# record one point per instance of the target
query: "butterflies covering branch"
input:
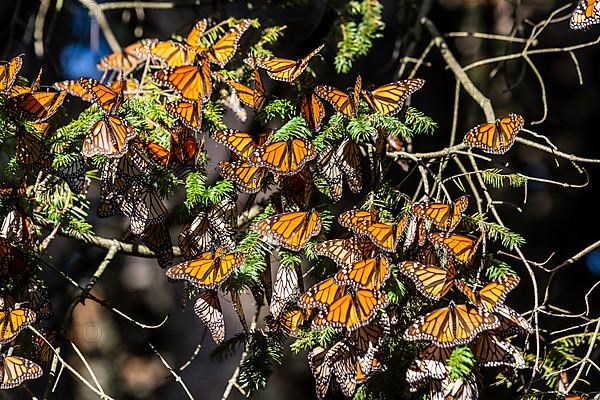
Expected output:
(395, 278)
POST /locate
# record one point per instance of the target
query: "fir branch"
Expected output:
(357, 39)
(494, 178)
(461, 363)
(294, 128)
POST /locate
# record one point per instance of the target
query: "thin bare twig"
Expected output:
(178, 378)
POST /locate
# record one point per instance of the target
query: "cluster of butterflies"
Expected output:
(586, 14)
(353, 301)
(23, 301)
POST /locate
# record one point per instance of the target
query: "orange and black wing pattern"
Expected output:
(290, 230)
(496, 137)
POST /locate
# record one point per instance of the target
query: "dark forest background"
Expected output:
(555, 221)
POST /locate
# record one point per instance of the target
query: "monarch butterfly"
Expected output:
(107, 98)
(345, 252)
(124, 61)
(14, 370)
(511, 322)
(496, 137)
(384, 235)
(8, 73)
(445, 216)
(109, 136)
(333, 163)
(462, 247)
(210, 228)
(368, 342)
(190, 81)
(291, 320)
(18, 227)
(344, 103)
(431, 363)
(312, 111)
(208, 309)
(493, 352)
(75, 88)
(13, 320)
(320, 367)
(431, 281)
(184, 147)
(31, 150)
(321, 295)
(208, 270)
(285, 157)
(247, 177)
(132, 167)
(189, 113)
(492, 293)
(156, 237)
(458, 389)
(241, 143)
(34, 294)
(255, 98)
(36, 106)
(389, 99)
(142, 205)
(290, 230)
(451, 326)
(159, 154)
(298, 188)
(370, 274)
(586, 14)
(224, 49)
(43, 352)
(282, 69)
(344, 367)
(73, 174)
(175, 54)
(353, 218)
(286, 289)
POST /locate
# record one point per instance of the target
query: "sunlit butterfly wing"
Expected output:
(340, 100)
(286, 157)
(190, 81)
(13, 321)
(74, 88)
(495, 292)
(37, 106)
(344, 252)
(313, 111)
(461, 247)
(208, 270)
(103, 96)
(109, 136)
(321, 295)
(15, 370)
(208, 309)
(224, 49)
(354, 218)
(371, 273)
(282, 69)
(8, 73)
(241, 143)
(451, 326)
(495, 137)
(291, 230)
(389, 99)
(129, 87)
(193, 38)
(173, 54)
(355, 309)
(247, 177)
(445, 216)
(124, 61)
(431, 281)
(586, 14)
(159, 154)
(188, 113)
